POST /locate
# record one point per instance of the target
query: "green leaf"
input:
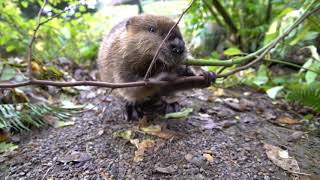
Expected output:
(7, 147)
(82, 8)
(262, 76)
(126, 135)
(311, 77)
(8, 73)
(306, 65)
(232, 51)
(10, 48)
(314, 52)
(182, 114)
(273, 92)
(24, 4)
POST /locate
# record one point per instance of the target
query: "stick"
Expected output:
(33, 38)
(182, 80)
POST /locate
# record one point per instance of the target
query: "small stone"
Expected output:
(266, 178)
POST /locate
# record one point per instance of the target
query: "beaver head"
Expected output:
(147, 32)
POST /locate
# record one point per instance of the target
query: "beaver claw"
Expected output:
(210, 78)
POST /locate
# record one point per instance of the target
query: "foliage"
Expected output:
(307, 94)
(251, 18)
(22, 116)
(75, 35)
(257, 24)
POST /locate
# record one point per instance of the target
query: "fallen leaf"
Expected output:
(67, 104)
(208, 157)
(141, 148)
(51, 120)
(204, 122)
(166, 170)
(36, 67)
(273, 92)
(177, 115)
(59, 124)
(219, 92)
(151, 128)
(105, 176)
(156, 130)
(281, 158)
(7, 147)
(246, 104)
(126, 135)
(287, 120)
(135, 142)
(4, 135)
(75, 156)
(295, 136)
(234, 106)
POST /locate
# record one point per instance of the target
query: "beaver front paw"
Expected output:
(210, 78)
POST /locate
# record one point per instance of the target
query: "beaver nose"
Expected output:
(177, 46)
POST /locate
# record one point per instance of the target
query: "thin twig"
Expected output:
(57, 15)
(34, 35)
(291, 64)
(33, 38)
(273, 44)
(164, 40)
(45, 174)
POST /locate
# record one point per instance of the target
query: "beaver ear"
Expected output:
(130, 21)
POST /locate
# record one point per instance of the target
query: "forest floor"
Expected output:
(237, 134)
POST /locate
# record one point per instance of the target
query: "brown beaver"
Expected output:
(127, 51)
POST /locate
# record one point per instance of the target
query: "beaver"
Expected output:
(127, 51)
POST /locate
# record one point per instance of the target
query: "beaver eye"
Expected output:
(152, 29)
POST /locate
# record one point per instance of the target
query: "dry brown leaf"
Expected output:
(165, 134)
(35, 67)
(287, 120)
(281, 158)
(219, 92)
(142, 147)
(104, 175)
(208, 157)
(4, 135)
(151, 128)
(51, 120)
(157, 130)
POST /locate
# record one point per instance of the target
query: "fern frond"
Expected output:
(21, 117)
(308, 95)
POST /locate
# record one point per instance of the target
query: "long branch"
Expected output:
(181, 80)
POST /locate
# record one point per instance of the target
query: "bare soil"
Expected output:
(233, 135)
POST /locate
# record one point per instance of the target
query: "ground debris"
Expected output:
(75, 156)
(281, 158)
